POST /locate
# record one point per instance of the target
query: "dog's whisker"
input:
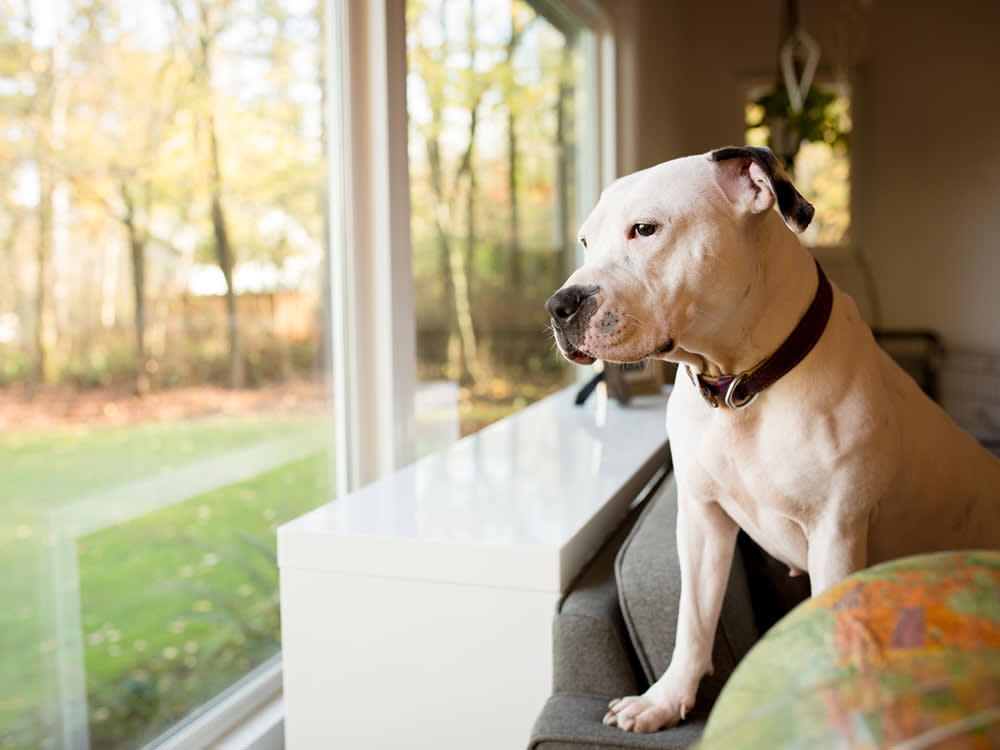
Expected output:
(639, 324)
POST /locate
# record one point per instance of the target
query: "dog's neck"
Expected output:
(782, 291)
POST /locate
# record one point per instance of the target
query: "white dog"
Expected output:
(787, 419)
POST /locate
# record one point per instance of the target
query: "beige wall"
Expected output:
(926, 84)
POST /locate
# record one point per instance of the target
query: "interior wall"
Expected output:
(926, 174)
(931, 173)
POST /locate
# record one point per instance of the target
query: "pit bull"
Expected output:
(786, 420)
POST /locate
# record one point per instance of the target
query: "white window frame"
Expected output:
(374, 335)
(374, 349)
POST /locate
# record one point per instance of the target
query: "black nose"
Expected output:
(565, 303)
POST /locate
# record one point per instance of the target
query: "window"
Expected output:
(813, 144)
(495, 99)
(210, 285)
(163, 372)
(383, 418)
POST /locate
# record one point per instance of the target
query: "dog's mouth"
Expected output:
(567, 348)
(580, 357)
(668, 346)
(577, 357)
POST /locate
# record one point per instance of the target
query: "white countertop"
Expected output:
(521, 503)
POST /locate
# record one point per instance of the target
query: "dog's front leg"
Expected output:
(836, 549)
(706, 538)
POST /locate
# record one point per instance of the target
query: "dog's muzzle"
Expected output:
(571, 309)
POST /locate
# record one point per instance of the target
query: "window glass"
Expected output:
(493, 110)
(163, 377)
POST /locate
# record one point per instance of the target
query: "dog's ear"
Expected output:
(756, 173)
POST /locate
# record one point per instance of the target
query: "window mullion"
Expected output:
(373, 332)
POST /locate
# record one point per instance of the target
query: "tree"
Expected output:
(217, 37)
(518, 25)
(126, 174)
(149, 136)
(46, 119)
(198, 27)
(457, 73)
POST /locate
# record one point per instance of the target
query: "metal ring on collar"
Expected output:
(731, 391)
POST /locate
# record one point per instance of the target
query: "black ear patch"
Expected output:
(795, 210)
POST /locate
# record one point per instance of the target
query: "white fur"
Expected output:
(841, 464)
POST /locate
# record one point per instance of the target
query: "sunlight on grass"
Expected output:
(175, 605)
(183, 602)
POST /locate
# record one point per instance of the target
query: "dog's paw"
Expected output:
(637, 713)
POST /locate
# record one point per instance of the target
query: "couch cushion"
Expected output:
(648, 575)
(592, 651)
(572, 721)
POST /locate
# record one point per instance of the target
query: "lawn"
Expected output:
(176, 588)
(175, 604)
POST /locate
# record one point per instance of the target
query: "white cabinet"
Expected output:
(416, 612)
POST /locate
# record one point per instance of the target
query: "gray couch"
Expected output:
(613, 632)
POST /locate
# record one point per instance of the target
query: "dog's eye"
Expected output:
(642, 230)
(583, 241)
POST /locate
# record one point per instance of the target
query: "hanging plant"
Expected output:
(823, 117)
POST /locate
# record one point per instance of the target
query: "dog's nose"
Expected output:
(565, 303)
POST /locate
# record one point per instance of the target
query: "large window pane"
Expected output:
(163, 376)
(493, 106)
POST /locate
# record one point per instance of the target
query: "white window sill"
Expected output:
(545, 482)
(249, 716)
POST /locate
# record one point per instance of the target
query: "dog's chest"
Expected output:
(776, 519)
(762, 485)
(783, 536)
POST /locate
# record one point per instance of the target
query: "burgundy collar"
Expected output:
(737, 391)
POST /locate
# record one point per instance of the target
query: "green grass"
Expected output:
(42, 470)
(176, 604)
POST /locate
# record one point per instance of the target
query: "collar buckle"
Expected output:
(730, 399)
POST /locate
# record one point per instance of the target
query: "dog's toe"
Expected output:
(639, 714)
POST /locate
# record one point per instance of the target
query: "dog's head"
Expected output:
(669, 251)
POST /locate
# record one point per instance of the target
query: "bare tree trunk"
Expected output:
(563, 147)
(466, 365)
(202, 62)
(515, 273)
(224, 255)
(442, 219)
(42, 322)
(461, 266)
(515, 267)
(48, 135)
(137, 254)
